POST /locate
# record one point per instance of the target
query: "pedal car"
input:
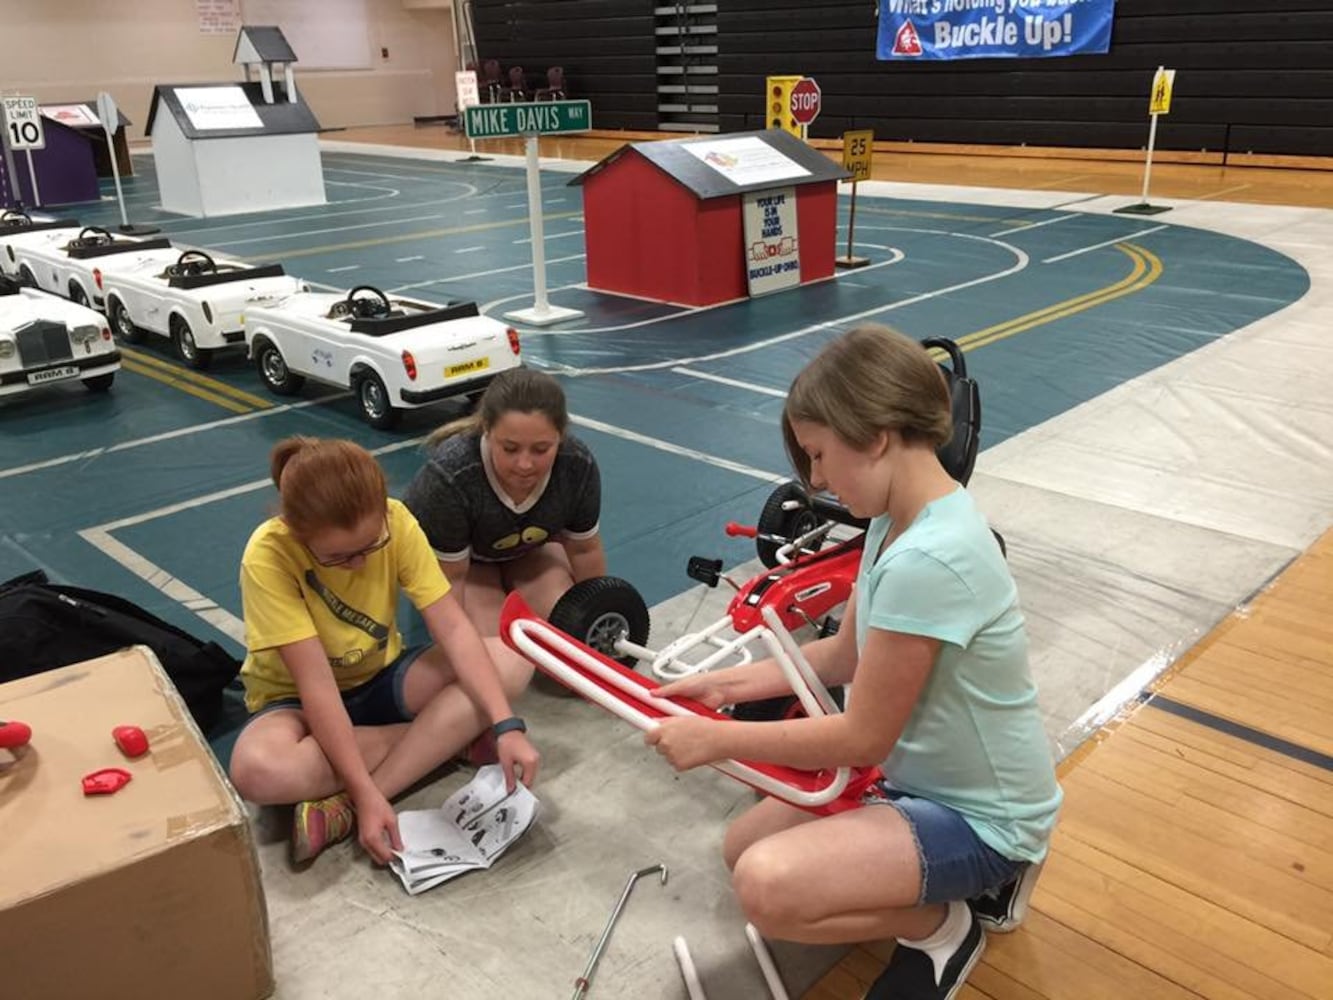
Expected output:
(45, 339)
(632, 697)
(69, 262)
(197, 301)
(395, 354)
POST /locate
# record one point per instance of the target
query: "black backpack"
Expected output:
(45, 625)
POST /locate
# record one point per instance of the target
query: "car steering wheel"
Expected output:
(367, 307)
(93, 236)
(191, 263)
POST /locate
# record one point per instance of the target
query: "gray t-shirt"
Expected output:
(465, 514)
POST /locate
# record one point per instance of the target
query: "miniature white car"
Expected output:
(198, 302)
(45, 339)
(19, 232)
(395, 354)
(66, 261)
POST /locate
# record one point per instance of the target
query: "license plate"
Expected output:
(467, 367)
(52, 374)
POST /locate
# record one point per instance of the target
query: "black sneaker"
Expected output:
(910, 974)
(1003, 910)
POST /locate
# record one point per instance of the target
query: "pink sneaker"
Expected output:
(319, 823)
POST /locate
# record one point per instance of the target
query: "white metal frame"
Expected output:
(574, 660)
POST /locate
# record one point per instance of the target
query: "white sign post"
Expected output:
(110, 118)
(467, 95)
(23, 130)
(1159, 103)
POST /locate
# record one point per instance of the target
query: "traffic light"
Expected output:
(777, 104)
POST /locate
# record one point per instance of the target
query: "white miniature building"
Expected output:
(226, 148)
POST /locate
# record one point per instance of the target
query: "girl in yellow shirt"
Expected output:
(344, 717)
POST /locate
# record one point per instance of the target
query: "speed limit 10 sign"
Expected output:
(23, 123)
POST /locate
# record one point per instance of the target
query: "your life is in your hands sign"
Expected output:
(989, 29)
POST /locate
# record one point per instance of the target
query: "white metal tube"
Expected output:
(809, 679)
(687, 970)
(519, 634)
(766, 965)
(540, 306)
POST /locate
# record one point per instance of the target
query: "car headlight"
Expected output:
(7, 349)
(84, 334)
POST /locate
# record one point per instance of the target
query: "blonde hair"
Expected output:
(522, 390)
(868, 381)
(326, 484)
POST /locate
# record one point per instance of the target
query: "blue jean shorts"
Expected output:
(955, 862)
(376, 702)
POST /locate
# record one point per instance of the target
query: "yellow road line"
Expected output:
(130, 364)
(212, 385)
(380, 241)
(1147, 269)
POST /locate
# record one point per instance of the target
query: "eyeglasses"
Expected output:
(351, 557)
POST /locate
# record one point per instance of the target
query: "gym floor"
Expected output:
(1154, 449)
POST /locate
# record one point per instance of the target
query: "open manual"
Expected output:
(473, 828)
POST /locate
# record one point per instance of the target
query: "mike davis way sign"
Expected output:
(495, 121)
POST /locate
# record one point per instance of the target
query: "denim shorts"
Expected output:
(376, 702)
(955, 862)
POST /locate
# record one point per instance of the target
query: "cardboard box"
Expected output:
(151, 892)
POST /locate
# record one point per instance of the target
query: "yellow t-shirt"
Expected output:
(287, 597)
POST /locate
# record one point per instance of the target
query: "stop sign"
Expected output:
(805, 98)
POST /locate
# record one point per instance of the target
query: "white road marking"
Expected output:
(736, 383)
(95, 453)
(1035, 225)
(1104, 243)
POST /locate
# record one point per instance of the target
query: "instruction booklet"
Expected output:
(473, 828)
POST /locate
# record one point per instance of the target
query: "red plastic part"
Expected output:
(131, 740)
(14, 734)
(107, 781)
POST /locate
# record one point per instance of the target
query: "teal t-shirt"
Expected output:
(974, 741)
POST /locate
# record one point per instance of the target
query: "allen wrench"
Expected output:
(584, 981)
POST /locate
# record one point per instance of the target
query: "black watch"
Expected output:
(509, 725)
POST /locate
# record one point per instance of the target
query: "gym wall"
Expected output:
(1251, 77)
(71, 49)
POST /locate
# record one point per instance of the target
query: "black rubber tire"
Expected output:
(774, 520)
(182, 338)
(99, 383)
(26, 278)
(596, 612)
(121, 324)
(273, 371)
(373, 399)
(78, 296)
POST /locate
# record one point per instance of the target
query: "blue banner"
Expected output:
(991, 29)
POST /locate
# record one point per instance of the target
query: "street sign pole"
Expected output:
(1158, 104)
(32, 176)
(110, 116)
(542, 312)
(11, 178)
(530, 120)
(858, 150)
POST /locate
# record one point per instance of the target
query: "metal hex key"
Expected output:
(584, 981)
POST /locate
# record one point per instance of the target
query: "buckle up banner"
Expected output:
(992, 29)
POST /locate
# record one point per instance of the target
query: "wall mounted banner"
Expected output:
(992, 29)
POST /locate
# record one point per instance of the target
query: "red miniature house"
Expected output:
(667, 220)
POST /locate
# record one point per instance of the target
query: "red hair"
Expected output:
(326, 484)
